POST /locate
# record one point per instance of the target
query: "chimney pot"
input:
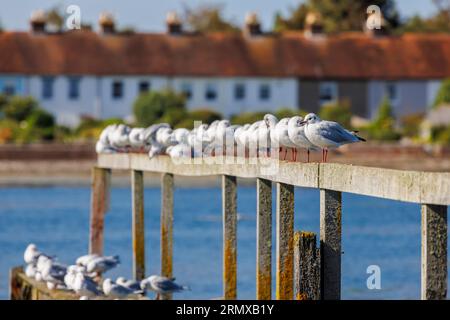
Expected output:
(107, 23)
(38, 20)
(252, 24)
(313, 24)
(174, 25)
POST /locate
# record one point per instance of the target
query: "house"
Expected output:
(82, 72)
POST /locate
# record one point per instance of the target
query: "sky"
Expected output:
(149, 15)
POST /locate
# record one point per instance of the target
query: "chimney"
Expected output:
(106, 23)
(173, 22)
(313, 25)
(38, 21)
(252, 24)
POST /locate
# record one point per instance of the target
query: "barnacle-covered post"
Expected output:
(264, 239)
(434, 252)
(100, 190)
(285, 242)
(229, 214)
(330, 244)
(167, 227)
(138, 234)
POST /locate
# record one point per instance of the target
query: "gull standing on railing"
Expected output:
(162, 285)
(296, 132)
(327, 134)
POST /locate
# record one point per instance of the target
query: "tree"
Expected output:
(19, 108)
(207, 18)
(55, 18)
(443, 95)
(345, 15)
(151, 106)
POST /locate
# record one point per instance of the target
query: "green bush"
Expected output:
(288, 113)
(151, 106)
(443, 95)
(440, 135)
(248, 117)
(411, 124)
(383, 127)
(205, 115)
(19, 108)
(8, 130)
(338, 112)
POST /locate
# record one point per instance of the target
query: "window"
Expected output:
(47, 87)
(117, 89)
(264, 92)
(9, 89)
(74, 88)
(211, 92)
(144, 86)
(239, 91)
(327, 92)
(392, 92)
(186, 90)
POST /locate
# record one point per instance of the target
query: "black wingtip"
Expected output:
(361, 139)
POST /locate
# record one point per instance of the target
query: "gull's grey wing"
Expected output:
(335, 132)
(91, 286)
(166, 284)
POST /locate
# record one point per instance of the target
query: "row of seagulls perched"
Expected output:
(84, 277)
(309, 133)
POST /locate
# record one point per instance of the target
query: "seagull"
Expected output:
(32, 254)
(85, 286)
(162, 285)
(149, 137)
(136, 138)
(118, 138)
(179, 151)
(181, 135)
(252, 136)
(130, 284)
(30, 271)
(53, 272)
(102, 264)
(84, 260)
(297, 135)
(100, 147)
(104, 136)
(118, 291)
(327, 134)
(72, 271)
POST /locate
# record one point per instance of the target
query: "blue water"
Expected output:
(375, 232)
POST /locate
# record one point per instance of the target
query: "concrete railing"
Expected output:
(430, 189)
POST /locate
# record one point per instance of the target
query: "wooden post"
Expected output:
(306, 266)
(229, 213)
(138, 227)
(264, 240)
(285, 242)
(166, 227)
(100, 189)
(330, 244)
(434, 252)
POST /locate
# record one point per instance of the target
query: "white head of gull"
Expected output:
(84, 260)
(119, 137)
(136, 138)
(327, 134)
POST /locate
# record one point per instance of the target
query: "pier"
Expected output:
(303, 270)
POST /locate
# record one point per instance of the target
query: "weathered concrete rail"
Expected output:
(430, 189)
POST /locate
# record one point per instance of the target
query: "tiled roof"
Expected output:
(291, 54)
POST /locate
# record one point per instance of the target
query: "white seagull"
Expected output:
(118, 291)
(102, 264)
(85, 286)
(327, 134)
(296, 132)
(162, 285)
